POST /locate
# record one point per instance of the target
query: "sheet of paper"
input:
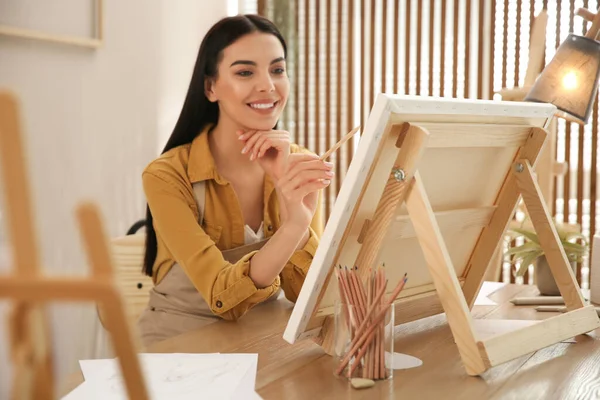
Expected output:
(487, 289)
(245, 389)
(487, 328)
(81, 392)
(85, 392)
(180, 376)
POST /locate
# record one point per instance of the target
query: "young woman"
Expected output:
(233, 207)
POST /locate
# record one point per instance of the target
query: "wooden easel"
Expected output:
(31, 347)
(404, 198)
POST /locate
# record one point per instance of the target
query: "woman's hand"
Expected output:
(304, 176)
(270, 148)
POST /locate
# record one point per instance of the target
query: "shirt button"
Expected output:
(219, 304)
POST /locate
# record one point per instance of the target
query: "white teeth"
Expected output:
(262, 106)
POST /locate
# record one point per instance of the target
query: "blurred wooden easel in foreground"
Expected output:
(30, 342)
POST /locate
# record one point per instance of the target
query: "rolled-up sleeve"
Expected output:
(294, 272)
(226, 287)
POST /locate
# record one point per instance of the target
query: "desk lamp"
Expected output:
(570, 80)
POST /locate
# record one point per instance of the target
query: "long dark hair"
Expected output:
(197, 110)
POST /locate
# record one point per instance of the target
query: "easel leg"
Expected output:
(412, 147)
(29, 332)
(31, 356)
(549, 240)
(116, 321)
(506, 204)
(444, 277)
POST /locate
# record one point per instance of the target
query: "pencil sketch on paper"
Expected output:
(177, 376)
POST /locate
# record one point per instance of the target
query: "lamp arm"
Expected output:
(589, 16)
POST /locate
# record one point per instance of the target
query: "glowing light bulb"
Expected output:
(569, 81)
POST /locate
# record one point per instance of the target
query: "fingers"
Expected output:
(245, 135)
(263, 147)
(301, 192)
(304, 177)
(295, 166)
(263, 142)
(266, 142)
(311, 187)
(255, 142)
(301, 157)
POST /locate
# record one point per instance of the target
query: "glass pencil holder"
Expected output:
(363, 349)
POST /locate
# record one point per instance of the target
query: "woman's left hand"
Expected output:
(270, 148)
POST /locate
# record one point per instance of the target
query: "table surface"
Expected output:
(566, 370)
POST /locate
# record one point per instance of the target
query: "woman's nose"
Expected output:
(265, 84)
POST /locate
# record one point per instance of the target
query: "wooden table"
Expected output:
(567, 370)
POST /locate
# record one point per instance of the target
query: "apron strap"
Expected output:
(200, 194)
(236, 254)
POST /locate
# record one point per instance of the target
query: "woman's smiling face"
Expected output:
(252, 85)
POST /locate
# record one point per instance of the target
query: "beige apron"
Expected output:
(175, 305)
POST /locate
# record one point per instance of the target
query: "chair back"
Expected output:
(128, 259)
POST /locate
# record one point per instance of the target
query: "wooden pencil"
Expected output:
(538, 301)
(355, 280)
(361, 290)
(377, 345)
(361, 295)
(355, 294)
(350, 295)
(382, 369)
(344, 287)
(362, 328)
(363, 334)
(365, 372)
(369, 335)
(370, 360)
(344, 301)
(339, 143)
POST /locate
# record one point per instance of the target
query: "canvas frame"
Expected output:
(94, 42)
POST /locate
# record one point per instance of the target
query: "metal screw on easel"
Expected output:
(399, 174)
(519, 167)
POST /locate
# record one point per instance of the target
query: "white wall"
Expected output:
(92, 120)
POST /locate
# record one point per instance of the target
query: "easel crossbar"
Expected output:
(508, 346)
(38, 289)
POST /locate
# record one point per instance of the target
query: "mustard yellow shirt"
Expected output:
(225, 287)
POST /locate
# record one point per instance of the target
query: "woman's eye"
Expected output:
(279, 71)
(244, 73)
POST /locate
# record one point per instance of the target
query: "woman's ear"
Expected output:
(208, 90)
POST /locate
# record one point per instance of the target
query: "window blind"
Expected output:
(342, 53)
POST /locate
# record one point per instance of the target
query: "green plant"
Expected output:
(527, 253)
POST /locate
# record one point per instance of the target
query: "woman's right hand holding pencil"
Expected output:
(305, 175)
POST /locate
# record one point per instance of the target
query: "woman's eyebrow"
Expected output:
(248, 62)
